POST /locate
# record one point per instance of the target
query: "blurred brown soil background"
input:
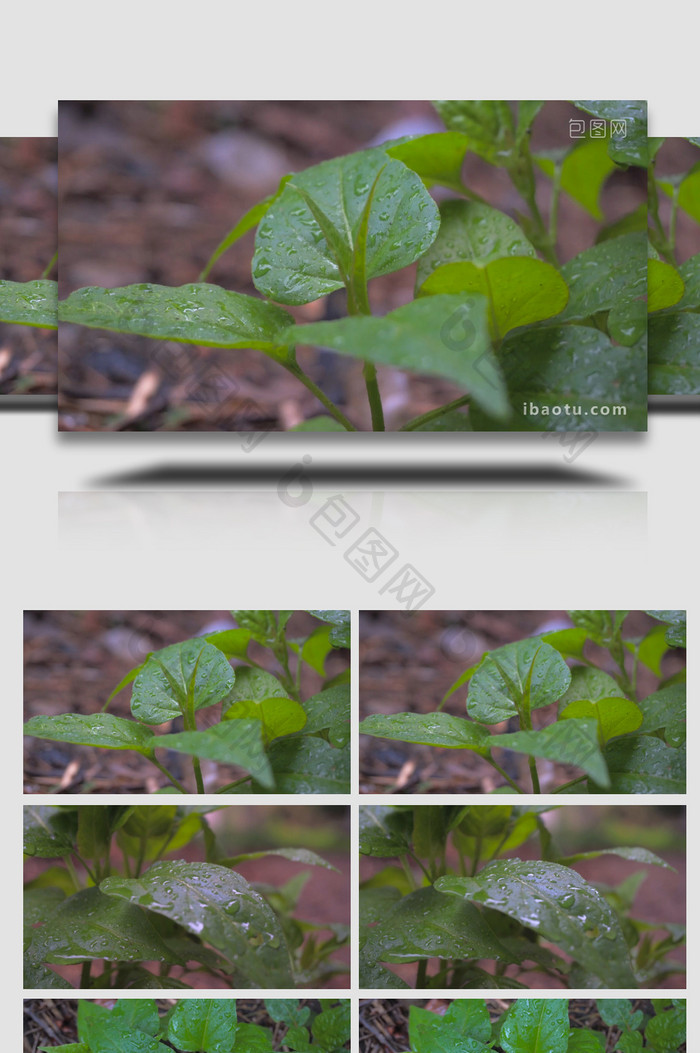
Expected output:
(28, 236)
(661, 897)
(408, 660)
(324, 900)
(384, 1022)
(149, 189)
(73, 660)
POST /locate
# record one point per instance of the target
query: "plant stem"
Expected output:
(295, 369)
(232, 785)
(408, 872)
(425, 418)
(422, 974)
(50, 265)
(85, 974)
(554, 207)
(534, 776)
(197, 769)
(571, 782)
(375, 400)
(72, 871)
(476, 857)
(166, 773)
(501, 771)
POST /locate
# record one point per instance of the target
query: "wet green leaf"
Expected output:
(568, 642)
(287, 1011)
(482, 250)
(29, 303)
(690, 273)
(488, 126)
(643, 764)
(91, 925)
(253, 684)
(201, 314)
(231, 642)
(557, 904)
(665, 285)
(665, 709)
(536, 1025)
(676, 633)
(102, 729)
(310, 240)
(384, 831)
(340, 622)
(591, 684)
(525, 674)
(627, 137)
(139, 1013)
(309, 765)
(331, 1028)
(584, 171)
(610, 277)
(437, 158)
(329, 711)
(218, 906)
(463, 1028)
(674, 355)
(297, 855)
(246, 223)
(571, 742)
(49, 831)
(203, 1025)
(665, 1032)
(193, 674)
(108, 1031)
(613, 716)
(41, 978)
(277, 716)
(237, 742)
(635, 855)
(252, 1039)
(444, 336)
(434, 729)
(581, 1041)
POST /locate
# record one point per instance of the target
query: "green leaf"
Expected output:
(340, 622)
(665, 709)
(138, 1013)
(39, 905)
(527, 673)
(433, 729)
(107, 1032)
(231, 642)
(665, 1032)
(689, 193)
(306, 243)
(568, 642)
(591, 684)
(574, 742)
(240, 743)
(617, 1012)
(278, 716)
(610, 277)
(482, 250)
(329, 711)
(428, 924)
(253, 684)
(536, 1025)
(581, 1041)
(249, 220)
(198, 313)
(287, 1011)
(690, 273)
(297, 855)
(315, 649)
(331, 1028)
(49, 831)
(201, 314)
(613, 716)
(559, 905)
(665, 285)
(632, 1042)
(309, 765)
(488, 125)
(584, 171)
(102, 729)
(70, 1047)
(444, 336)
(41, 978)
(91, 925)
(643, 764)
(629, 224)
(218, 906)
(674, 359)
(463, 1028)
(252, 1039)
(203, 1025)
(636, 855)
(628, 144)
(193, 673)
(676, 633)
(29, 303)
(570, 378)
(650, 649)
(437, 158)
(384, 831)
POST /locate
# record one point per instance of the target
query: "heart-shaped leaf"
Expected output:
(444, 336)
(610, 277)
(583, 172)
(432, 729)
(570, 378)
(192, 674)
(574, 742)
(665, 285)
(612, 716)
(437, 158)
(240, 743)
(102, 730)
(277, 716)
(536, 1025)
(518, 677)
(327, 217)
(589, 683)
(253, 684)
(91, 925)
(218, 906)
(201, 314)
(625, 129)
(29, 303)
(559, 905)
(203, 1025)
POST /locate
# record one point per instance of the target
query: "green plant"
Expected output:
(285, 743)
(202, 917)
(534, 343)
(674, 290)
(484, 907)
(534, 1025)
(623, 743)
(206, 1025)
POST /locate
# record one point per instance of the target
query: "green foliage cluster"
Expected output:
(495, 311)
(286, 744)
(207, 1025)
(187, 917)
(534, 1025)
(494, 907)
(674, 290)
(623, 743)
